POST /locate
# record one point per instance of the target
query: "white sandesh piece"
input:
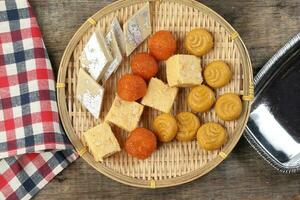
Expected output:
(115, 52)
(137, 28)
(116, 28)
(89, 93)
(96, 57)
(101, 141)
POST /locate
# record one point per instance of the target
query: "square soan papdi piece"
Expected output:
(96, 57)
(160, 96)
(125, 114)
(137, 28)
(89, 93)
(101, 141)
(184, 71)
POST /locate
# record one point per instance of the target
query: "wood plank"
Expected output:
(264, 26)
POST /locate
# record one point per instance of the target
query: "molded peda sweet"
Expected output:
(199, 42)
(211, 136)
(201, 98)
(188, 125)
(165, 127)
(217, 74)
(229, 107)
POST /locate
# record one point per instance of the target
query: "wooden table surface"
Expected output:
(264, 27)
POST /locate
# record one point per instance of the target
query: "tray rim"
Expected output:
(62, 106)
(266, 71)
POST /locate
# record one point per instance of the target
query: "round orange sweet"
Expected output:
(144, 65)
(141, 143)
(131, 87)
(162, 45)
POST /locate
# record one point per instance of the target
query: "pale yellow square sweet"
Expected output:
(159, 95)
(125, 114)
(101, 141)
(184, 71)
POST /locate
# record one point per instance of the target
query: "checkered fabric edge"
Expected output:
(21, 177)
(29, 120)
(33, 146)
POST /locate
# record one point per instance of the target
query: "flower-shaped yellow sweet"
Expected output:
(201, 98)
(188, 124)
(217, 74)
(229, 107)
(165, 127)
(211, 136)
(198, 42)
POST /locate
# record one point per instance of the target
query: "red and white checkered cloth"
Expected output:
(33, 146)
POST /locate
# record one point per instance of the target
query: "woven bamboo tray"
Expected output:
(176, 162)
